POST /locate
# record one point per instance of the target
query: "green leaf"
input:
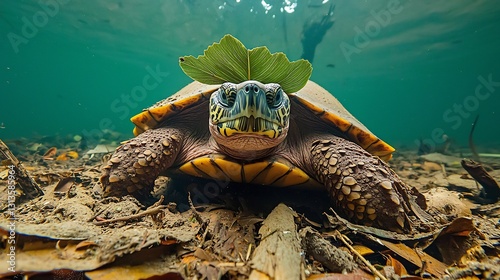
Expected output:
(230, 61)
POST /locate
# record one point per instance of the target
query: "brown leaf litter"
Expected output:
(63, 227)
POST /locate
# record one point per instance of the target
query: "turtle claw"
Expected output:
(363, 188)
(136, 164)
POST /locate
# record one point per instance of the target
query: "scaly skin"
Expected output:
(137, 163)
(362, 187)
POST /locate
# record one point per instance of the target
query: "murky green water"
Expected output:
(406, 69)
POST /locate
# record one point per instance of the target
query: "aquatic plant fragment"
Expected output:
(230, 61)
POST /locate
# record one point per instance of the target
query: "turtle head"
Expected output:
(249, 116)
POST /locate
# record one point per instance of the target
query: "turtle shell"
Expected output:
(328, 108)
(312, 96)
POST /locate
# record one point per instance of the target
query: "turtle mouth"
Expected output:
(250, 125)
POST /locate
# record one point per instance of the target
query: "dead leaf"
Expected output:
(363, 250)
(433, 266)
(356, 275)
(50, 153)
(202, 255)
(85, 245)
(399, 268)
(189, 259)
(169, 242)
(431, 166)
(62, 157)
(64, 185)
(72, 154)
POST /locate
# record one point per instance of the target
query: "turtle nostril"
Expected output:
(251, 87)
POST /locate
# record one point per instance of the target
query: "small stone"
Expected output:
(362, 201)
(115, 160)
(372, 217)
(370, 210)
(350, 206)
(137, 151)
(165, 143)
(148, 152)
(340, 197)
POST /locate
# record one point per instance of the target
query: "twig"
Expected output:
(443, 169)
(472, 147)
(149, 211)
(490, 185)
(365, 261)
(23, 180)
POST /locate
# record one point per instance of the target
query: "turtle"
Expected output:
(255, 133)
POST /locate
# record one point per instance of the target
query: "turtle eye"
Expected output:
(274, 95)
(227, 94)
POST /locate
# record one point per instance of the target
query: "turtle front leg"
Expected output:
(362, 187)
(136, 164)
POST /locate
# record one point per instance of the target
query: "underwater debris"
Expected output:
(490, 185)
(67, 155)
(50, 153)
(313, 33)
(423, 148)
(2, 125)
(472, 147)
(22, 180)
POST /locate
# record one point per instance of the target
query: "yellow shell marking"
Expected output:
(365, 139)
(274, 173)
